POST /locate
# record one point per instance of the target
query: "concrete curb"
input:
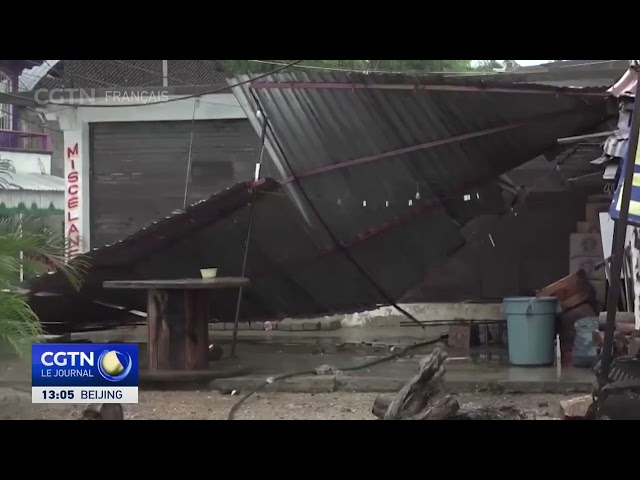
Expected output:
(286, 325)
(346, 383)
(380, 317)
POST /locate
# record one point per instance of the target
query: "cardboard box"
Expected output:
(592, 213)
(566, 287)
(585, 245)
(586, 227)
(588, 264)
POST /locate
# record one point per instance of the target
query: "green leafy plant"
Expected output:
(27, 248)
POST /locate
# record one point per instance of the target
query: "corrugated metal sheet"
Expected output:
(33, 182)
(379, 138)
(31, 76)
(626, 85)
(394, 165)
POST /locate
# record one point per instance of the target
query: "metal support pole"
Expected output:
(234, 339)
(619, 237)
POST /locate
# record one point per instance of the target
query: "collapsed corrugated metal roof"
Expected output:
(344, 133)
(292, 272)
(394, 165)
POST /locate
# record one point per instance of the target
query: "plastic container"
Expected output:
(585, 353)
(531, 326)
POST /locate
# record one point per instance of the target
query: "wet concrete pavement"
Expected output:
(264, 354)
(482, 369)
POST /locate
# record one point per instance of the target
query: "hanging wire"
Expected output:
(247, 240)
(186, 181)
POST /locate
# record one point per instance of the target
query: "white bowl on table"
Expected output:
(208, 272)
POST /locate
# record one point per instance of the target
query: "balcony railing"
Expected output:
(11, 140)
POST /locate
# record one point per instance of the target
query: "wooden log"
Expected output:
(465, 412)
(443, 408)
(621, 317)
(473, 412)
(424, 397)
(415, 396)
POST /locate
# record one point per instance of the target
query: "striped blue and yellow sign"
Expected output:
(634, 204)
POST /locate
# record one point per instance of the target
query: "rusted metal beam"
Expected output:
(422, 146)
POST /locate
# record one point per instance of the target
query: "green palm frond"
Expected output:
(42, 250)
(30, 249)
(6, 170)
(19, 325)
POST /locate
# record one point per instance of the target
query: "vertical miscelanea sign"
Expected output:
(73, 207)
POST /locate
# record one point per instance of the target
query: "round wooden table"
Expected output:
(178, 319)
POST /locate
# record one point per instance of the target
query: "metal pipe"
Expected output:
(619, 236)
(579, 138)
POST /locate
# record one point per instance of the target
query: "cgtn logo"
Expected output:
(77, 373)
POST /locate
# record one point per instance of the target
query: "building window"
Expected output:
(5, 110)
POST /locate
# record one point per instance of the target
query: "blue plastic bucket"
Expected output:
(531, 329)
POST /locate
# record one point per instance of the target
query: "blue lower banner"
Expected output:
(84, 373)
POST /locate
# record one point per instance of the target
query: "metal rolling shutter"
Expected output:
(139, 169)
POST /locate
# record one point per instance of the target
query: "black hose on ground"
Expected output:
(371, 363)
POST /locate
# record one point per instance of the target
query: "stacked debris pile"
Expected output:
(576, 298)
(626, 337)
(585, 247)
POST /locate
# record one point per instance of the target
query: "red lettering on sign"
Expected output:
(73, 203)
(72, 151)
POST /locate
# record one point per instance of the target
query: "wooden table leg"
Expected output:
(178, 323)
(196, 307)
(158, 343)
(165, 316)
